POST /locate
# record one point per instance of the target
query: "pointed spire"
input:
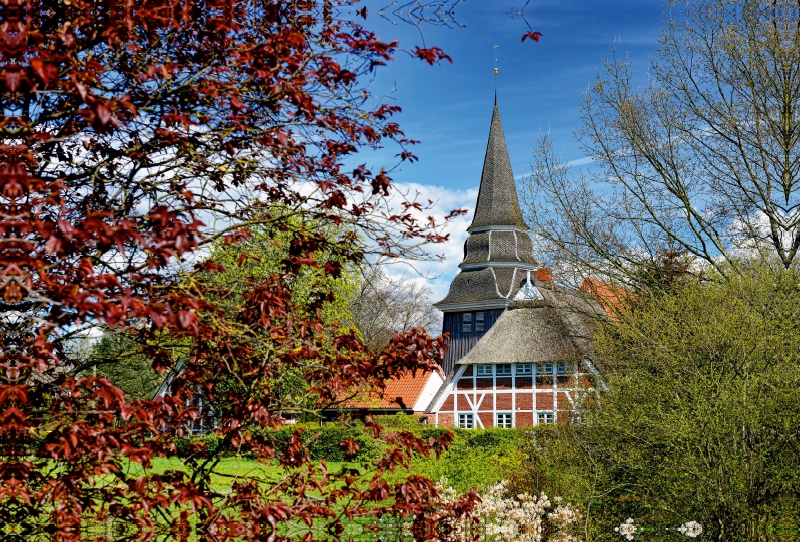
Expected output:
(498, 204)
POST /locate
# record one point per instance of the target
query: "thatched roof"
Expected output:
(558, 328)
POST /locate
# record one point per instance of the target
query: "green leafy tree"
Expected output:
(248, 260)
(252, 259)
(700, 420)
(119, 358)
(255, 257)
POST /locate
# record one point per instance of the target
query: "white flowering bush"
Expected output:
(692, 529)
(627, 529)
(511, 518)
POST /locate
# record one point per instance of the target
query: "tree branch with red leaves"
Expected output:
(133, 135)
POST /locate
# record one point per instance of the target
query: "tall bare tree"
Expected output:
(705, 157)
(385, 306)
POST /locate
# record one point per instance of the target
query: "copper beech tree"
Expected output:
(134, 134)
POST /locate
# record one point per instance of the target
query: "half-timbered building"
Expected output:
(519, 343)
(532, 367)
(498, 254)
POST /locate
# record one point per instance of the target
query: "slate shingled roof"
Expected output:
(474, 285)
(498, 251)
(498, 246)
(497, 198)
(558, 328)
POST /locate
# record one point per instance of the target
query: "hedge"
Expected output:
(324, 441)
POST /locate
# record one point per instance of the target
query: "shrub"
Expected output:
(698, 423)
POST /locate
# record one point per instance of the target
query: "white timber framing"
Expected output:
(484, 401)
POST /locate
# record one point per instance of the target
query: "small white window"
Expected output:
(466, 421)
(478, 321)
(524, 368)
(467, 322)
(543, 418)
(504, 419)
(546, 368)
(504, 369)
(562, 368)
(484, 370)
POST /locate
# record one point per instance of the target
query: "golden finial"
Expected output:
(495, 67)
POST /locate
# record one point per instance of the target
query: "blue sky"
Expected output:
(448, 107)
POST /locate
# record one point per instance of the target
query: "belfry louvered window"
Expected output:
(467, 323)
(478, 321)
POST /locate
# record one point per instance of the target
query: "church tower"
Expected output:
(498, 254)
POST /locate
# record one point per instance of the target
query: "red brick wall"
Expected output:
(524, 382)
(446, 420)
(524, 419)
(524, 401)
(503, 401)
(447, 404)
(484, 400)
(544, 401)
(483, 383)
(566, 381)
(504, 383)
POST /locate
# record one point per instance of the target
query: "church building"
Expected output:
(519, 343)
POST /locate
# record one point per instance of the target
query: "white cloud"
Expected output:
(438, 273)
(435, 272)
(581, 161)
(751, 236)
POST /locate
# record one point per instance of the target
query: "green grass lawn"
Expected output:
(228, 470)
(476, 459)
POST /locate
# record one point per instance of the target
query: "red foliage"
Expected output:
(535, 36)
(127, 127)
(431, 55)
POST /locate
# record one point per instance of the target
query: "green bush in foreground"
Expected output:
(700, 420)
(475, 460)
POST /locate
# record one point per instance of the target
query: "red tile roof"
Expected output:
(611, 298)
(401, 392)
